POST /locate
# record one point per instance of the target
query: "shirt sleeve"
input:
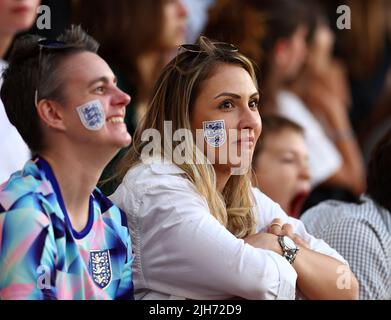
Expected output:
(184, 251)
(125, 289)
(27, 255)
(359, 243)
(269, 210)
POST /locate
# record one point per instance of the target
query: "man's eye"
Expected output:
(287, 160)
(226, 105)
(100, 89)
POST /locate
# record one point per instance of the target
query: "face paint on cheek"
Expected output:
(214, 133)
(92, 115)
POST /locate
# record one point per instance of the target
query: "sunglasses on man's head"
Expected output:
(50, 45)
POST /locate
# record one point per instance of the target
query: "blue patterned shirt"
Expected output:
(43, 257)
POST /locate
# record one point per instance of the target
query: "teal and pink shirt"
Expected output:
(43, 257)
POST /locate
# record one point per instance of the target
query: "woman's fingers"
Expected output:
(287, 230)
(275, 227)
(299, 241)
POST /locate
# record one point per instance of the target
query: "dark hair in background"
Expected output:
(22, 78)
(368, 36)
(317, 14)
(273, 124)
(255, 26)
(126, 30)
(60, 12)
(379, 173)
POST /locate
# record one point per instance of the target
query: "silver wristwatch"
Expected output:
(289, 248)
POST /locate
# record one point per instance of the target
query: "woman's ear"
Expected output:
(50, 113)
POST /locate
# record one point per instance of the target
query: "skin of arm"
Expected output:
(309, 264)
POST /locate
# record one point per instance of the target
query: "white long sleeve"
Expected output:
(182, 251)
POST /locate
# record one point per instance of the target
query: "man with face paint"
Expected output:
(60, 237)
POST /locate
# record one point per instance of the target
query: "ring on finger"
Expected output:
(276, 224)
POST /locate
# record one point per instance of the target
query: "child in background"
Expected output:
(280, 164)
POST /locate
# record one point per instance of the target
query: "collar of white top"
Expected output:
(166, 168)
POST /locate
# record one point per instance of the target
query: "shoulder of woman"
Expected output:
(261, 199)
(150, 176)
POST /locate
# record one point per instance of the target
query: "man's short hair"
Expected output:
(22, 78)
(379, 172)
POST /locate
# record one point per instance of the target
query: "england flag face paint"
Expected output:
(214, 133)
(92, 115)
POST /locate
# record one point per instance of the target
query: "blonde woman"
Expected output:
(200, 230)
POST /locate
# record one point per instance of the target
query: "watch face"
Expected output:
(289, 243)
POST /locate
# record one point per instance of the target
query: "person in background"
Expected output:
(200, 230)
(15, 16)
(322, 86)
(137, 38)
(280, 164)
(365, 50)
(274, 34)
(198, 16)
(362, 232)
(61, 237)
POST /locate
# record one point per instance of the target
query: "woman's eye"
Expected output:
(226, 105)
(253, 104)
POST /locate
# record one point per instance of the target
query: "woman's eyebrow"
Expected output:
(233, 95)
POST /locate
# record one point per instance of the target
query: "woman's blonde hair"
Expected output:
(173, 99)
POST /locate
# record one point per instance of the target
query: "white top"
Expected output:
(324, 158)
(182, 251)
(14, 151)
(197, 17)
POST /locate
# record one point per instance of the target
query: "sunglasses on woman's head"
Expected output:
(196, 48)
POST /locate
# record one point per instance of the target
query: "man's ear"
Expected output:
(51, 114)
(281, 53)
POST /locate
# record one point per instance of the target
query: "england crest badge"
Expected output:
(214, 132)
(101, 267)
(92, 115)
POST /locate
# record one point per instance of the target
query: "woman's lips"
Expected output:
(249, 141)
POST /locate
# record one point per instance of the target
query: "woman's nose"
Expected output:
(249, 119)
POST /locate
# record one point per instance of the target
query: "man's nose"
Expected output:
(121, 98)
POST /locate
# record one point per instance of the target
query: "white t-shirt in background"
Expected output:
(324, 158)
(13, 150)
